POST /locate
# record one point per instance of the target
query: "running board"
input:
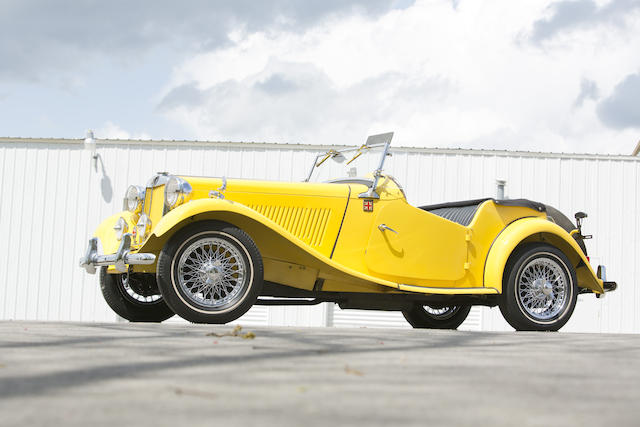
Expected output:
(289, 301)
(448, 291)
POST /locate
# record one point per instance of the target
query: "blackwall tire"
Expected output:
(426, 317)
(539, 289)
(210, 272)
(130, 305)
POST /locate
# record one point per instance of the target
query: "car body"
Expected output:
(210, 248)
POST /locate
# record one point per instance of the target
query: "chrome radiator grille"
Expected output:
(153, 204)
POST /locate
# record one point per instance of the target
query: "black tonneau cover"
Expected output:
(462, 212)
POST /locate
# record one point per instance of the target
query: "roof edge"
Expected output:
(320, 147)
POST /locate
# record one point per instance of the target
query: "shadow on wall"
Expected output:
(106, 189)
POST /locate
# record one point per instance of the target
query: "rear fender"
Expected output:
(532, 229)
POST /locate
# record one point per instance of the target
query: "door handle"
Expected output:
(383, 227)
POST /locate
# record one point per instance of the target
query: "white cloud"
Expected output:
(110, 130)
(620, 110)
(68, 36)
(437, 75)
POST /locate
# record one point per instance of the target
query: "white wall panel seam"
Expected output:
(41, 220)
(4, 212)
(20, 241)
(636, 299)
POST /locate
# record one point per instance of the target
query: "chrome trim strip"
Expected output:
(150, 200)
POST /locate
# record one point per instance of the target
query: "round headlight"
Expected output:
(133, 198)
(120, 228)
(143, 226)
(176, 191)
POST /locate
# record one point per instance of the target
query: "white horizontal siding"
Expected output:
(392, 319)
(368, 319)
(52, 198)
(258, 315)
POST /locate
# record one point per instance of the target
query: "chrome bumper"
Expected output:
(608, 286)
(120, 259)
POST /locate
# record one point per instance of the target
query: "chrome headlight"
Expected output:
(176, 191)
(120, 228)
(143, 226)
(133, 198)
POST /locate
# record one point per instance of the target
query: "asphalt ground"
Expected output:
(86, 374)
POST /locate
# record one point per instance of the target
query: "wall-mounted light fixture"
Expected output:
(90, 144)
(500, 183)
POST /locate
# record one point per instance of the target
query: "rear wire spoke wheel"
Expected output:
(135, 298)
(210, 272)
(448, 317)
(539, 290)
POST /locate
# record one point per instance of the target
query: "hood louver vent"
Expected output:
(307, 224)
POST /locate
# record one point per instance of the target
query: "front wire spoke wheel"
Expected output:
(210, 272)
(438, 317)
(441, 313)
(134, 297)
(137, 290)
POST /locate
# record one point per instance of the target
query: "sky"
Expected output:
(534, 75)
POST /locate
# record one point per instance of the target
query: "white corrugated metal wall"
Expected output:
(52, 198)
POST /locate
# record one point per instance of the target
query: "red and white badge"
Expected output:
(367, 205)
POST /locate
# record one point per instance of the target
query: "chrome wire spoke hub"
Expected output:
(211, 273)
(440, 313)
(135, 289)
(542, 288)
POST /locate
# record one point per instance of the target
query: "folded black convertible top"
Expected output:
(462, 212)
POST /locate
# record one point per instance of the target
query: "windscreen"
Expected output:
(347, 163)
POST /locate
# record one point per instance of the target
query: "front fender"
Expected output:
(537, 230)
(107, 235)
(216, 209)
(196, 207)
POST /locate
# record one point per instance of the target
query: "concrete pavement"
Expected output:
(174, 374)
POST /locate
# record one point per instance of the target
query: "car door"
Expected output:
(409, 245)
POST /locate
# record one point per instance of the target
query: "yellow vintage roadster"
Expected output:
(208, 249)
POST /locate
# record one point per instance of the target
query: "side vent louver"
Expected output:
(307, 224)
